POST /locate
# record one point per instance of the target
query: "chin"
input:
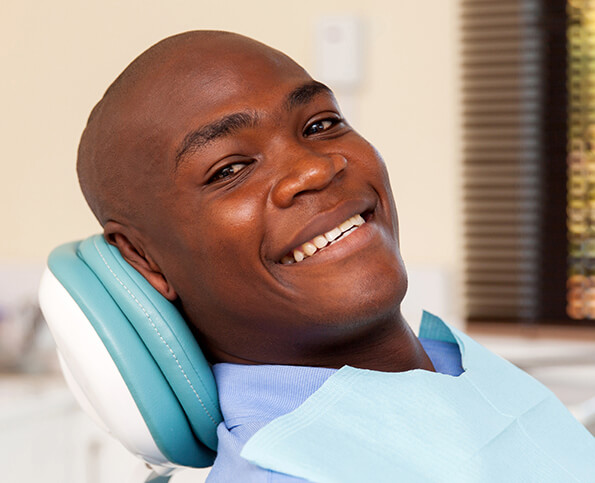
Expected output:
(365, 301)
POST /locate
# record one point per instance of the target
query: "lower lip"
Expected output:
(343, 247)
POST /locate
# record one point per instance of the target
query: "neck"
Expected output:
(392, 347)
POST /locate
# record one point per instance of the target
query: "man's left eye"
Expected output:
(320, 126)
(227, 171)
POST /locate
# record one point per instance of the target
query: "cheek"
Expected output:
(369, 163)
(377, 168)
(364, 158)
(233, 229)
(224, 249)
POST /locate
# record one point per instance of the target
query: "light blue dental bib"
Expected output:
(493, 423)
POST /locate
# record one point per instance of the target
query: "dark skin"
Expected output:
(236, 156)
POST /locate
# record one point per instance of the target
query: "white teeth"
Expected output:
(309, 248)
(349, 232)
(331, 235)
(320, 241)
(346, 225)
(344, 234)
(358, 220)
(329, 238)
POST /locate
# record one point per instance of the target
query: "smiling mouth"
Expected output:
(322, 241)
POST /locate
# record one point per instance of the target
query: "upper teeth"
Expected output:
(318, 242)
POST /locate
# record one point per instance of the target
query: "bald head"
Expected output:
(213, 163)
(124, 157)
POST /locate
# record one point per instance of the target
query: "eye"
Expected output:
(228, 171)
(321, 126)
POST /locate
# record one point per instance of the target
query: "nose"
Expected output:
(310, 172)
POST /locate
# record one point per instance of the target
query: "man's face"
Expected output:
(261, 169)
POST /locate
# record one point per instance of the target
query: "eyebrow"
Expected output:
(231, 123)
(214, 130)
(305, 93)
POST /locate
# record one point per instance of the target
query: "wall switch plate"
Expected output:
(339, 51)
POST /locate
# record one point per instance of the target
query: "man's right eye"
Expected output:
(321, 126)
(227, 171)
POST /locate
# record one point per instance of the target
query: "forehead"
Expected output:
(198, 84)
(175, 93)
(195, 80)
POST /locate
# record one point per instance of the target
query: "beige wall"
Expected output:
(58, 57)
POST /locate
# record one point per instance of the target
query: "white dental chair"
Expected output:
(130, 359)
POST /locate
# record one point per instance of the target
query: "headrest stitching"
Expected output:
(157, 331)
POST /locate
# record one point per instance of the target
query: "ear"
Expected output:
(116, 234)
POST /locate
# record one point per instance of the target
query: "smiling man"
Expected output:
(230, 180)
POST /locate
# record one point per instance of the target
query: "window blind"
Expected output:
(502, 60)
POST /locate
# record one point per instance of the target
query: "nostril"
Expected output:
(339, 162)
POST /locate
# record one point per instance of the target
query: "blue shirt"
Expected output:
(251, 396)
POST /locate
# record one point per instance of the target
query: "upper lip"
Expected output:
(326, 221)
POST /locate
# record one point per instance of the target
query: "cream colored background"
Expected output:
(58, 57)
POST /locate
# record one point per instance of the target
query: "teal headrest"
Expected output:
(151, 345)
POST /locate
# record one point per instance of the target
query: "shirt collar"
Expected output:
(264, 392)
(249, 393)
